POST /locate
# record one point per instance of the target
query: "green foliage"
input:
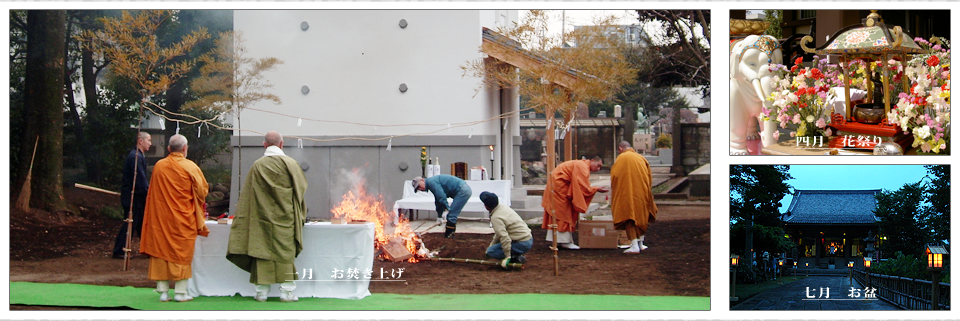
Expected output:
(664, 141)
(112, 212)
(755, 194)
(765, 239)
(937, 192)
(109, 137)
(908, 266)
(217, 174)
(775, 17)
(756, 191)
(901, 220)
(212, 140)
(18, 38)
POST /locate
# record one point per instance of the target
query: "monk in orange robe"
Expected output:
(631, 196)
(568, 193)
(172, 219)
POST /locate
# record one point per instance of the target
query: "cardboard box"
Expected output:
(597, 235)
(339, 220)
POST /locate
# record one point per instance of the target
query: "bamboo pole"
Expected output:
(91, 188)
(556, 257)
(133, 188)
(517, 266)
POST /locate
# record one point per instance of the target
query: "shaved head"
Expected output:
(272, 138)
(625, 144)
(177, 143)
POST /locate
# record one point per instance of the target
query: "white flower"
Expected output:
(922, 132)
(810, 119)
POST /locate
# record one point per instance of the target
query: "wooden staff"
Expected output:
(133, 189)
(556, 257)
(517, 266)
(91, 188)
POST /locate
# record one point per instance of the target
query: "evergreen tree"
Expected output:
(755, 194)
(901, 220)
(938, 196)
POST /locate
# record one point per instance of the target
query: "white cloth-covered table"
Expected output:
(325, 247)
(424, 200)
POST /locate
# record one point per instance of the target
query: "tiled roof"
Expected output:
(832, 207)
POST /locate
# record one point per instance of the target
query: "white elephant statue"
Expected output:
(751, 82)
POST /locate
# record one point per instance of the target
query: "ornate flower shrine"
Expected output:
(862, 125)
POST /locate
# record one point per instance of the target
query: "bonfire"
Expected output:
(394, 238)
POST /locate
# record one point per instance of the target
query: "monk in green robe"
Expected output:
(267, 230)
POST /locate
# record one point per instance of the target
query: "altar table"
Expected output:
(327, 248)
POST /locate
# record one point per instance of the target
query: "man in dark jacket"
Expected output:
(139, 189)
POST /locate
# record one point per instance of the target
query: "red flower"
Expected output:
(794, 68)
(933, 61)
(816, 74)
(799, 61)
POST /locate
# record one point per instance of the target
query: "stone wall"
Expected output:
(695, 142)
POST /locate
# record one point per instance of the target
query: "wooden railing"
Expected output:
(905, 293)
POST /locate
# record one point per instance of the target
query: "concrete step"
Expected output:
(528, 213)
(526, 201)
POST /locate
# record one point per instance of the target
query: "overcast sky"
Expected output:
(584, 17)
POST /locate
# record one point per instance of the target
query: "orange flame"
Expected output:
(364, 207)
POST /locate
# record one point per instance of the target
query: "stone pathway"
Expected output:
(797, 296)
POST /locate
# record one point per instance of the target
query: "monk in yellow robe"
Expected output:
(631, 196)
(568, 193)
(173, 218)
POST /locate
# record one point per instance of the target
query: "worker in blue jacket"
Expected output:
(443, 187)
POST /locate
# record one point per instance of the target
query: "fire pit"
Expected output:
(394, 239)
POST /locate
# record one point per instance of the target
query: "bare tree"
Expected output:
(555, 73)
(230, 80)
(679, 54)
(554, 76)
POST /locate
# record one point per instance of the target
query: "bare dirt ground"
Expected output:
(75, 248)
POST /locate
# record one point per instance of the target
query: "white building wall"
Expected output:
(354, 61)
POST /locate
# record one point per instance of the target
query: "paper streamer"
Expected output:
(178, 128)
(300, 142)
(389, 143)
(162, 125)
(449, 130)
(505, 124)
(299, 121)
